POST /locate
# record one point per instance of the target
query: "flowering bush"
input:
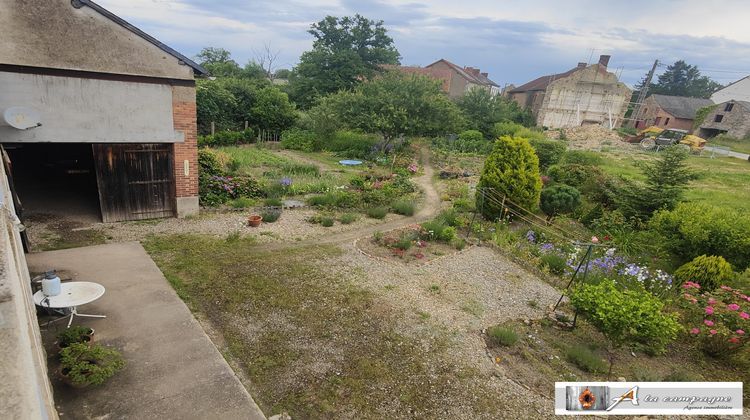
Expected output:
(708, 271)
(217, 189)
(719, 319)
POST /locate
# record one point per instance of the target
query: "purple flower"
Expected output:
(286, 181)
(547, 247)
(531, 236)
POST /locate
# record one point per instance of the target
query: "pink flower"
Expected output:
(733, 306)
(740, 332)
(734, 340)
(695, 331)
(748, 299)
(726, 288)
(711, 301)
(744, 315)
(708, 322)
(712, 332)
(594, 240)
(709, 310)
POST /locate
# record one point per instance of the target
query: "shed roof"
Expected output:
(197, 68)
(681, 106)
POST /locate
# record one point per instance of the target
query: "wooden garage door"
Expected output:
(136, 181)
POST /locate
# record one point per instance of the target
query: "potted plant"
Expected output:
(81, 365)
(75, 334)
(254, 220)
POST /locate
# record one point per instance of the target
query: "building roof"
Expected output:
(197, 68)
(541, 83)
(471, 74)
(681, 106)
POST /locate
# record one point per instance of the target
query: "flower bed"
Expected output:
(413, 243)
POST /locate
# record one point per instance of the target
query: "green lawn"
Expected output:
(737, 145)
(723, 181)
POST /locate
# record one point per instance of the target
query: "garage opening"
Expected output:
(55, 180)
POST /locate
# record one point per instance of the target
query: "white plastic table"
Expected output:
(72, 294)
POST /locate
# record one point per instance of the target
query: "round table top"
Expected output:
(71, 294)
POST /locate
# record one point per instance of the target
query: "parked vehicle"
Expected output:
(654, 137)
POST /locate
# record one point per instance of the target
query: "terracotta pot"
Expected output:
(254, 220)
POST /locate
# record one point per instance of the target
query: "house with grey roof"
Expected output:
(731, 118)
(665, 111)
(583, 95)
(456, 80)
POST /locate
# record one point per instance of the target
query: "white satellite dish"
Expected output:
(21, 117)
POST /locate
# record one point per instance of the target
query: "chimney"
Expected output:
(485, 74)
(604, 61)
(581, 65)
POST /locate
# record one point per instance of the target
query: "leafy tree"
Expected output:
(625, 316)
(512, 170)
(282, 74)
(346, 51)
(218, 62)
(667, 178)
(395, 104)
(214, 104)
(559, 199)
(682, 79)
(483, 110)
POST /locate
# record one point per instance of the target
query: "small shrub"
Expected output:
(404, 242)
(582, 157)
(718, 320)
(326, 221)
(273, 202)
(85, 365)
(227, 138)
(298, 139)
(377, 212)
(708, 271)
(242, 203)
(351, 145)
(208, 162)
(682, 375)
(585, 359)
(270, 216)
(458, 243)
(74, 334)
(404, 207)
(449, 217)
(448, 234)
(300, 169)
(334, 199)
(549, 151)
(559, 199)
(348, 218)
(573, 174)
(377, 236)
(554, 262)
(502, 336)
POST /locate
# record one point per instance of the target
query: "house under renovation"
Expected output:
(584, 95)
(98, 118)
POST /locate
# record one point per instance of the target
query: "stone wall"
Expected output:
(735, 122)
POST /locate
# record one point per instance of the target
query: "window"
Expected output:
(666, 121)
(718, 118)
(728, 107)
(658, 121)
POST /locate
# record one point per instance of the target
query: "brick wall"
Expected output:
(183, 111)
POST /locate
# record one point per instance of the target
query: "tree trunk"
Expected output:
(611, 357)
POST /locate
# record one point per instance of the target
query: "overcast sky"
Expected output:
(515, 41)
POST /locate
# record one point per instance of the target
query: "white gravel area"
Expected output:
(459, 295)
(291, 226)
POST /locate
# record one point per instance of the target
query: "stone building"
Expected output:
(666, 111)
(731, 118)
(113, 113)
(456, 80)
(583, 95)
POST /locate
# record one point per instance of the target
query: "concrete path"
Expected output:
(724, 152)
(173, 370)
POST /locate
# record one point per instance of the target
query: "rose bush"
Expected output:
(718, 319)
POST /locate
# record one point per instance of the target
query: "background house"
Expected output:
(739, 90)
(666, 111)
(580, 96)
(116, 138)
(456, 80)
(731, 118)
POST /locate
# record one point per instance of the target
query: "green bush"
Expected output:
(227, 138)
(334, 199)
(574, 175)
(512, 129)
(351, 144)
(348, 218)
(242, 203)
(404, 207)
(549, 151)
(559, 199)
(694, 229)
(271, 215)
(554, 262)
(273, 202)
(585, 359)
(298, 139)
(377, 212)
(708, 271)
(502, 336)
(512, 170)
(582, 157)
(626, 316)
(85, 365)
(326, 221)
(208, 162)
(449, 217)
(458, 243)
(74, 334)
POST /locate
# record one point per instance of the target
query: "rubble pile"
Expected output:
(589, 137)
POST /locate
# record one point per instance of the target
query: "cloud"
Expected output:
(513, 41)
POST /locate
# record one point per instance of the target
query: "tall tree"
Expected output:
(682, 79)
(483, 111)
(346, 51)
(218, 62)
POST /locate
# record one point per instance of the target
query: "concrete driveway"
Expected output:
(729, 153)
(173, 370)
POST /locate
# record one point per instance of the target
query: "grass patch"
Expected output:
(502, 336)
(586, 360)
(313, 342)
(348, 218)
(326, 221)
(404, 207)
(242, 203)
(473, 307)
(377, 212)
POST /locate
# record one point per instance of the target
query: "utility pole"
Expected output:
(642, 95)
